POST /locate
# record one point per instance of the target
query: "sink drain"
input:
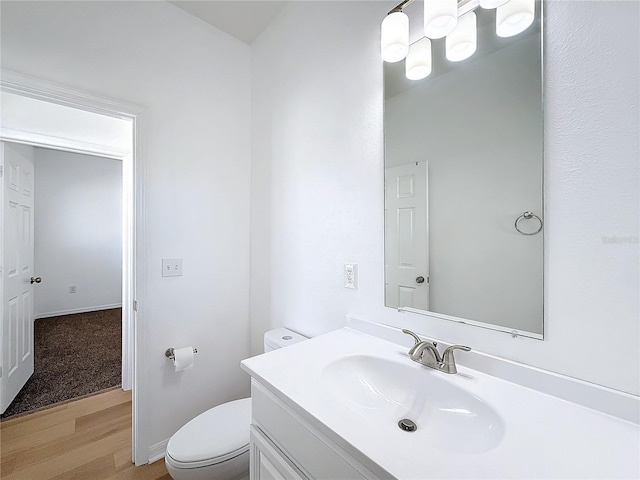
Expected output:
(407, 425)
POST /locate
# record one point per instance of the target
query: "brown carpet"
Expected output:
(75, 355)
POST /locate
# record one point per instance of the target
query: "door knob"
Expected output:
(36, 280)
(420, 279)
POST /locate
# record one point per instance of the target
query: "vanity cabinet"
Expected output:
(268, 462)
(285, 446)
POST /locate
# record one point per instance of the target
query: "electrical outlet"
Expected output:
(171, 267)
(72, 289)
(351, 275)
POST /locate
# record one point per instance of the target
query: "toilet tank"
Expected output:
(281, 337)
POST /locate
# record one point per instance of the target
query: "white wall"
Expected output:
(317, 185)
(485, 170)
(193, 82)
(317, 174)
(78, 232)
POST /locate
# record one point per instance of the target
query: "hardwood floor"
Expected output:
(86, 439)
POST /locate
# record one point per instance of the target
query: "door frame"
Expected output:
(133, 267)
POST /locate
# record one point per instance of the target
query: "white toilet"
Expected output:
(215, 444)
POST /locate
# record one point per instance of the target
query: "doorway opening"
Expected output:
(40, 114)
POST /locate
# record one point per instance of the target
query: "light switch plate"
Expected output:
(351, 275)
(171, 267)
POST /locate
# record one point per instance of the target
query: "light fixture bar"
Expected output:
(464, 6)
(400, 6)
(491, 4)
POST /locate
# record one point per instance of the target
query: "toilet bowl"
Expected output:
(215, 444)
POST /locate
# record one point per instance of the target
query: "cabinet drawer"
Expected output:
(316, 456)
(267, 462)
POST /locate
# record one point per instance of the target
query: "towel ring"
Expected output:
(528, 216)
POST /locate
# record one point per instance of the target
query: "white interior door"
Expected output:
(407, 236)
(17, 263)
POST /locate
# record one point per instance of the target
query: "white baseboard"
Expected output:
(157, 451)
(78, 310)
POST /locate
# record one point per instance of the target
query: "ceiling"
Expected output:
(244, 20)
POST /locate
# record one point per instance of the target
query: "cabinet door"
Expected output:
(267, 462)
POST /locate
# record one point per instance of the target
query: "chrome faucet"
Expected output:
(426, 353)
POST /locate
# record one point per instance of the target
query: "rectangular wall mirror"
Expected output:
(464, 183)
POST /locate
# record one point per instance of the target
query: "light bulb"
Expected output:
(394, 37)
(488, 4)
(440, 17)
(514, 17)
(418, 62)
(462, 42)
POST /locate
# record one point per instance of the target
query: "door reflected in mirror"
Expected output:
(463, 164)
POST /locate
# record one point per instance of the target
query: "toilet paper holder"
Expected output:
(169, 353)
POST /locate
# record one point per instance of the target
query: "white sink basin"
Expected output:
(387, 390)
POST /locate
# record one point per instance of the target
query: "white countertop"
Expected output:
(544, 437)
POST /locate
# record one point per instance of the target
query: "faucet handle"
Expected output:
(458, 347)
(412, 350)
(415, 337)
(418, 345)
(449, 361)
(449, 351)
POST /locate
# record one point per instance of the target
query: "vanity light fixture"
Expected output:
(463, 41)
(453, 19)
(440, 17)
(514, 17)
(418, 62)
(394, 36)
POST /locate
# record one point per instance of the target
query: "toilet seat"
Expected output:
(213, 437)
(209, 462)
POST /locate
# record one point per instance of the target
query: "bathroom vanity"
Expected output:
(330, 408)
(286, 446)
